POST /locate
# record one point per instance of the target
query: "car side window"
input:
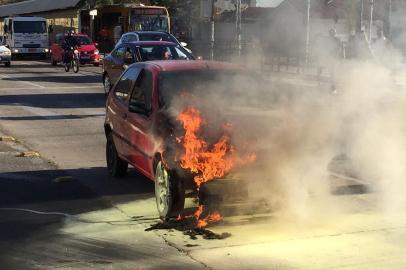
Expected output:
(131, 38)
(176, 51)
(142, 93)
(126, 83)
(120, 53)
(129, 56)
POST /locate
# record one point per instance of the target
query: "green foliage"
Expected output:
(171, 5)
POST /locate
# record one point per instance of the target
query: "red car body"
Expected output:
(89, 54)
(139, 130)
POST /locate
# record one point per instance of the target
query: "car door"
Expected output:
(118, 108)
(117, 63)
(138, 127)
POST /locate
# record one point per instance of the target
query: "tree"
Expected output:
(171, 5)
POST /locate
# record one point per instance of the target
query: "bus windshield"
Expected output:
(150, 19)
(30, 27)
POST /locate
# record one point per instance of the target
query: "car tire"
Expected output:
(96, 64)
(107, 84)
(7, 64)
(54, 63)
(169, 192)
(115, 165)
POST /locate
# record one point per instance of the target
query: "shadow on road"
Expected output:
(61, 186)
(52, 117)
(60, 100)
(71, 79)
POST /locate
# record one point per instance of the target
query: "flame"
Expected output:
(203, 222)
(208, 163)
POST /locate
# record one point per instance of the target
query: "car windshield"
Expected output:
(156, 37)
(29, 27)
(162, 52)
(211, 84)
(83, 40)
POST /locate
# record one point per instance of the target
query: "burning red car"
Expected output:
(153, 124)
(89, 54)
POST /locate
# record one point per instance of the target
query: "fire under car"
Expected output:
(153, 123)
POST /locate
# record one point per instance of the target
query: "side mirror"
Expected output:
(138, 107)
(184, 44)
(8, 47)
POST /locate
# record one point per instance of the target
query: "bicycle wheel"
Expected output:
(75, 65)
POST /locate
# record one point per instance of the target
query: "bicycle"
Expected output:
(73, 61)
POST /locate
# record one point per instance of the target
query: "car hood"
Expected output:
(4, 49)
(87, 48)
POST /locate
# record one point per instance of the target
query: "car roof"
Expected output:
(178, 65)
(150, 32)
(150, 43)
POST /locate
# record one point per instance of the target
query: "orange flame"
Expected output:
(207, 164)
(203, 222)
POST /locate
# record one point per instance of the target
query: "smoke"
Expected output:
(298, 132)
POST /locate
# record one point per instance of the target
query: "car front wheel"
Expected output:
(7, 64)
(115, 165)
(169, 192)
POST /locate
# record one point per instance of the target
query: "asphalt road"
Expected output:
(100, 222)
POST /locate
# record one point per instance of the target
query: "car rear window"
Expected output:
(83, 40)
(162, 52)
(157, 37)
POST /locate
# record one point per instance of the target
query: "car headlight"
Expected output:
(46, 50)
(96, 52)
(15, 50)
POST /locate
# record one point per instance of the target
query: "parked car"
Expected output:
(139, 131)
(150, 36)
(5, 53)
(128, 53)
(89, 54)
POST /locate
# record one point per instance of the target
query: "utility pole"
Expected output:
(238, 27)
(362, 17)
(308, 32)
(370, 21)
(212, 30)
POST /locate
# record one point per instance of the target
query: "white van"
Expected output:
(26, 35)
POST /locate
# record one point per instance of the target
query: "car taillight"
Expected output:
(96, 51)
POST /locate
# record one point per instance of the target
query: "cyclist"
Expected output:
(69, 44)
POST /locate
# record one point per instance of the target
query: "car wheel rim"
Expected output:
(162, 187)
(107, 84)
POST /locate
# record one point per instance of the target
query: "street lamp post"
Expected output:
(308, 32)
(212, 30)
(371, 20)
(238, 27)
